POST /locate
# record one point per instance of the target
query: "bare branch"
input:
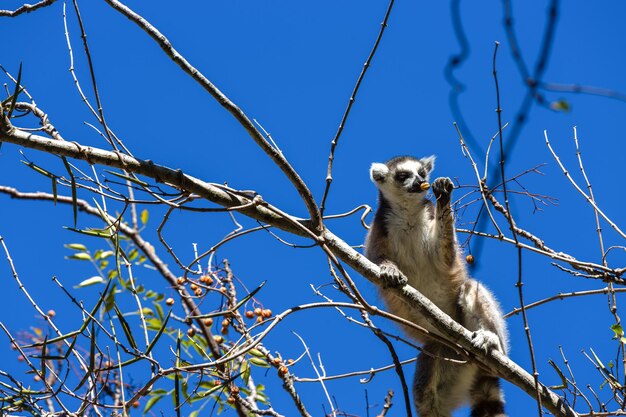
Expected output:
(26, 8)
(225, 102)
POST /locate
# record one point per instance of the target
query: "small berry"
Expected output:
(51, 313)
(193, 287)
(276, 361)
(136, 404)
(169, 301)
(198, 292)
(290, 361)
(218, 339)
(225, 323)
(180, 281)
(191, 332)
(469, 259)
(259, 319)
(224, 330)
(234, 390)
(208, 321)
(206, 279)
(249, 314)
(267, 313)
(283, 370)
(258, 311)
(37, 378)
(230, 400)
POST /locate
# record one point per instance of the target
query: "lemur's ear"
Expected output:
(378, 172)
(429, 163)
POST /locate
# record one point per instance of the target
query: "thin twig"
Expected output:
(335, 141)
(588, 198)
(520, 282)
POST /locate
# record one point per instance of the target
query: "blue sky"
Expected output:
(292, 67)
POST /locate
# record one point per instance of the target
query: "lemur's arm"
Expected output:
(377, 252)
(446, 244)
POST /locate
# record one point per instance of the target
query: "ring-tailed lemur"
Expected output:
(414, 241)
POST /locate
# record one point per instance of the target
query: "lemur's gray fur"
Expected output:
(414, 241)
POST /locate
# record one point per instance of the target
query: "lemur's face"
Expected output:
(402, 176)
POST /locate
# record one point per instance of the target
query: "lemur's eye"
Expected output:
(401, 176)
(422, 172)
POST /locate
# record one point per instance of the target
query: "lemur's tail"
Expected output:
(486, 397)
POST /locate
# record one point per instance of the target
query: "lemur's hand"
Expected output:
(442, 188)
(391, 275)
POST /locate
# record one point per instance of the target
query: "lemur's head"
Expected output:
(402, 176)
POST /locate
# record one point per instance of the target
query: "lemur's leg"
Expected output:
(480, 313)
(442, 189)
(440, 385)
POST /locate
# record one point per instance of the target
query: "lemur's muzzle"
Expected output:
(416, 187)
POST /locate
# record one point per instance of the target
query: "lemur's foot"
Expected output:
(442, 189)
(486, 340)
(391, 276)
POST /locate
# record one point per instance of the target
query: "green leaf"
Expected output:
(39, 169)
(256, 352)
(176, 392)
(82, 256)
(159, 391)
(125, 327)
(618, 330)
(561, 375)
(109, 300)
(245, 371)
(91, 232)
(150, 403)
(91, 281)
(131, 179)
(92, 358)
(159, 333)
(54, 192)
(73, 186)
(76, 246)
(561, 105)
(159, 310)
(259, 362)
(144, 216)
(106, 254)
(16, 92)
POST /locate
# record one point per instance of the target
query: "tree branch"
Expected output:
(26, 8)
(453, 331)
(275, 154)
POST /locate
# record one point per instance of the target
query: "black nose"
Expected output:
(416, 187)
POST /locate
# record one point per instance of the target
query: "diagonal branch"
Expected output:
(26, 8)
(232, 108)
(451, 330)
